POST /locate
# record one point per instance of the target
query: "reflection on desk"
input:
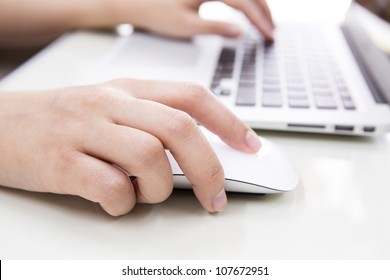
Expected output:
(339, 210)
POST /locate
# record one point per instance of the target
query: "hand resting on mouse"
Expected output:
(84, 141)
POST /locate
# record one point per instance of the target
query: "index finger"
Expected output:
(257, 12)
(202, 105)
(264, 6)
(182, 137)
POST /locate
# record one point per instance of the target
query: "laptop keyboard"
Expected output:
(297, 71)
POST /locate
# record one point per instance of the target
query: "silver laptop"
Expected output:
(313, 78)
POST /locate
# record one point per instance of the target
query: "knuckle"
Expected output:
(69, 159)
(180, 123)
(216, 176)
(195, 93)
(111, 189)
(86, 98)
(149, 150)
(115, 195)
(235, 124)
(100, 98)
(116, 187)
(120, 82)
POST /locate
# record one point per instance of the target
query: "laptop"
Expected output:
(313, 78)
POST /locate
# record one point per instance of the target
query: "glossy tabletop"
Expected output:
(340, 209)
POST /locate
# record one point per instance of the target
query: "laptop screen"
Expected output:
(379, 7)
(367, 29)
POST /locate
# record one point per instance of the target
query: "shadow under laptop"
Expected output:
(316, 136)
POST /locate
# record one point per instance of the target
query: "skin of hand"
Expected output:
(44, 20)
(85, 141)
(180, 18)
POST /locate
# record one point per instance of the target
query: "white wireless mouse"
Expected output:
(268, 171)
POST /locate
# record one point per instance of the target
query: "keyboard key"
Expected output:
(271, 89)
(323, 91)
(348, 103)
(224, 71)
(294, 72)
(247, 76)
(215, 88)
(248, 68)
(295, 81)
(318, 78)
(297, 95)
(320, 84)
(271, 100)
(298, 102)
(344, 92)
(271, 81)
(225, 92)
(246, 97)
(296, 88)
(271, 74)
(294, 75)
(340, 81)
(325, 102)
(247, 84)
(227, 55)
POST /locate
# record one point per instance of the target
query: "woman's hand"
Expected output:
(24, 22)
(85, 141)
(180, 18)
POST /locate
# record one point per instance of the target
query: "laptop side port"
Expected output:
(344, 128)
(306, 126)
(370, 129)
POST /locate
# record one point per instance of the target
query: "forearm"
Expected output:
(34, 21)
(23, 21)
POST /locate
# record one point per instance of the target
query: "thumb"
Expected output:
(201, 26)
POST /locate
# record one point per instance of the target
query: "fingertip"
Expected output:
(269, 40)
(269, 36)
(216, 204)
(268, 32)
(252, 141)
(219, 202)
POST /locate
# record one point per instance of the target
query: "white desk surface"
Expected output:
(340, 209)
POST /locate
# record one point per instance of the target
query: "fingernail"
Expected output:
(219, 202)
(270, 30)
(233, 30)
(252, 140)
(271, 37)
